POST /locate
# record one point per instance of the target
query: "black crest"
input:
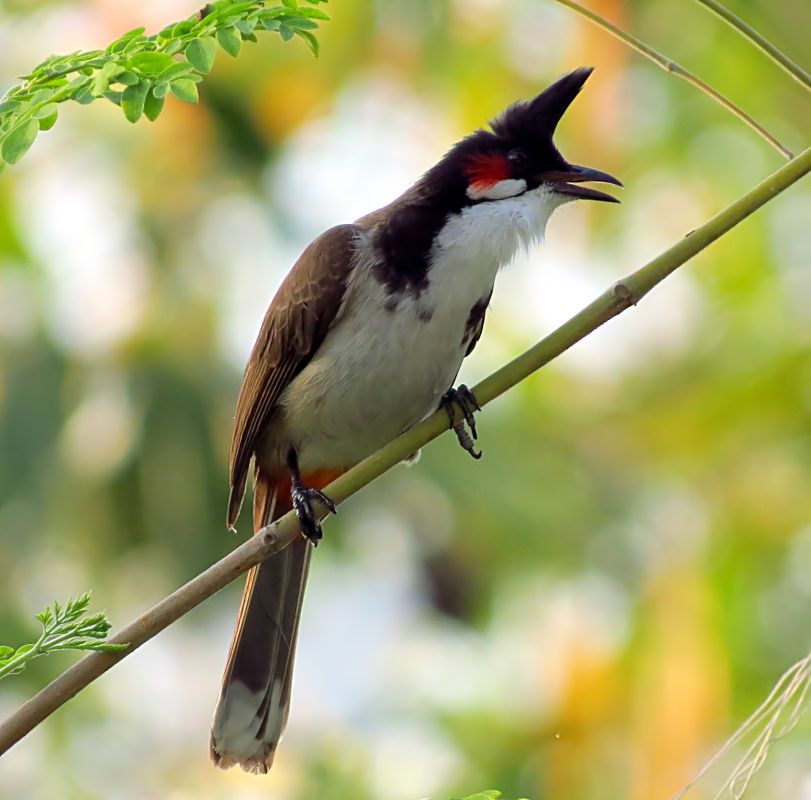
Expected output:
(535, 120)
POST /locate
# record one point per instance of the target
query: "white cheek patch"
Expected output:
(500, 190)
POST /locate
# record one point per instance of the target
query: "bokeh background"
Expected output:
(586, 613)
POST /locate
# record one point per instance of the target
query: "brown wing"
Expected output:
(294, 327)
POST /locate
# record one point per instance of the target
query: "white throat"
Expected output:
(487, 236)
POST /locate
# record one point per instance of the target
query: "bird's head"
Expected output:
(518, 155)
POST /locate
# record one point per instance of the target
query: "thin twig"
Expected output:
(676, 69)
(273, 538)
(770, 722)
(760, 41)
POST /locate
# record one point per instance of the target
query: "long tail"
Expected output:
(254, 702)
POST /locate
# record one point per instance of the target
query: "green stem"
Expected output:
(275, 537)
(747, 31)
(12, 665)
(676, 69)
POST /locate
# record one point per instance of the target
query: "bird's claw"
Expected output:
(466, 400)
(302, 497)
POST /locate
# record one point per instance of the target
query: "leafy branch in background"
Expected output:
(63, 628)
(137, 72)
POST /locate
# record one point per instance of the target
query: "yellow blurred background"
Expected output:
(586, 613)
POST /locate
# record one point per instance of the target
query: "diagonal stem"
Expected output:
(676, 69)
(273, 538)
(760, 41)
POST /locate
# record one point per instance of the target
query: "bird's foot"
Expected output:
(466, 400)
(302, 497)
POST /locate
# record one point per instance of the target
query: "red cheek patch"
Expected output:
(486, 169)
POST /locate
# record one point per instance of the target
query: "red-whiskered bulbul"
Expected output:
(364, 339)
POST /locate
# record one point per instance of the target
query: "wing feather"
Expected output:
(293, 329)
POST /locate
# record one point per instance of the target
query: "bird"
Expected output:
(364, 339)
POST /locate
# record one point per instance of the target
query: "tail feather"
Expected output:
(254, 701)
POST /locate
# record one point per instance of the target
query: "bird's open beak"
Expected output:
(564, 180)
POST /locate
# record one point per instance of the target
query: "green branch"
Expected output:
(676, 69)
(489, 794)
(137, 72)
(275, 537)
(760, 41)
(63, 628)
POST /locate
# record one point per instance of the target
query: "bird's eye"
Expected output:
(516, 157)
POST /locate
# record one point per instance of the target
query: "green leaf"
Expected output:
(175, 46)
(286, 33)
(182, 28)
(312, 42)
(290, 4)
(133, 99)
(150, 63)
(114, 97)
(44, 616)
(9, 105)
(16, 144)
(41, 96)
(491, 794)
(5, 650)
(314, 13)
(244, 27)
(201, 53)
(109, 647)
(101, 82)
(185, 90)
(89, 55)
(127, 77)
(166, 33)
(135, 44)
(46, 123)
(153, 105)
(230, 9)
(54, 83)
(274, 13)
(85, 96)
(302, 24)
(159, 90)
(230, 41)
(122, 41)
(45, 111)
(179, 69)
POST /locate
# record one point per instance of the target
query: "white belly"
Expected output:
(381, 369)
(377, 373)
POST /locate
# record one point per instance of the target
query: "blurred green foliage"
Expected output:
(585, 613)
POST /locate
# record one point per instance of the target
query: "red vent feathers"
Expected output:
(486, 169)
